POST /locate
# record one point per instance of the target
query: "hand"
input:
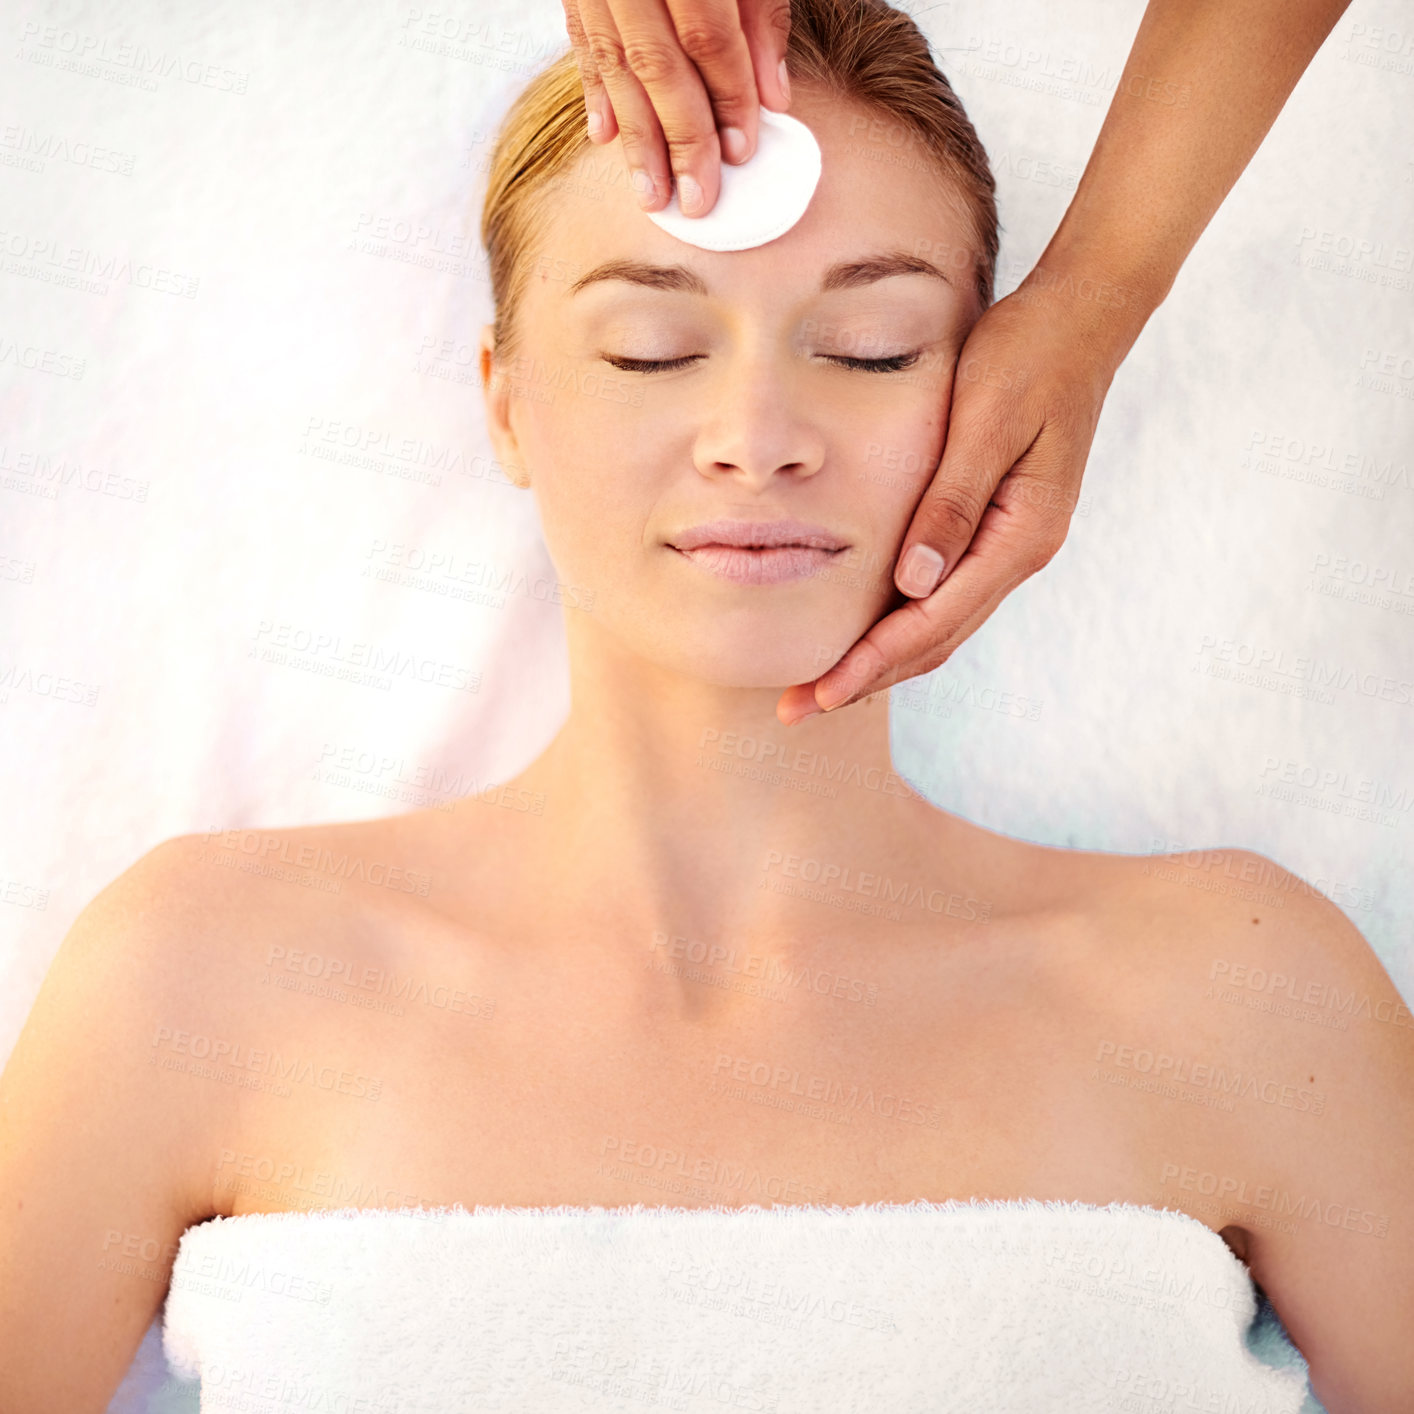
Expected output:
(1027, 391)
(681, 83)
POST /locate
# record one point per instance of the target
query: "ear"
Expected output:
(497, 392)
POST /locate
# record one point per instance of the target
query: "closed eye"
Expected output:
(650, 365)
(894, 363)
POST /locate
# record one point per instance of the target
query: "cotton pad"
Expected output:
(760, 199)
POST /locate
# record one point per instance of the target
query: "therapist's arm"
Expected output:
(1203, 84)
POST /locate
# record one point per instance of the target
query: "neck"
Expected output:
(676, 804)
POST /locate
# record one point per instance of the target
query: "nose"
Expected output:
(758, 427)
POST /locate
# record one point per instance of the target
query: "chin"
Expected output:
(775, 655)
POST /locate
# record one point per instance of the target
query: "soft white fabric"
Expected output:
(759, 200)
(1025, 1306)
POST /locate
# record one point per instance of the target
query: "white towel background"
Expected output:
(275, 209)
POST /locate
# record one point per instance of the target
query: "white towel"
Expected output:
(960, 1306)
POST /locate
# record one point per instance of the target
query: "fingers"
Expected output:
(598, 111)
(712, 36)
(677, 82)
(797, 703)
(979, 451)
(866, 667)
(678, 121)
(641, 136)
(766, 24)
(1018, 534)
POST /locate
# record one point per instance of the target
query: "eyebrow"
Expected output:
(844, 276)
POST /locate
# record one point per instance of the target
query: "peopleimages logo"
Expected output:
(1306, 991)
(318, 859)
(1180, 1070)
(867, 884)
(1274, 663)
(122, 61)
(778, 756)
(1328, 780)
(786, 1080)
(46, 256)
(1277, 1201)
(232, 1055)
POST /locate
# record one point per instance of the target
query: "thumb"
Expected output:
(979, 451)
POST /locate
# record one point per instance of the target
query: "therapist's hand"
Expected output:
(680, 82)
(1027, 392)
(1200, 88)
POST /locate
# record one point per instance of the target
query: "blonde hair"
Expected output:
(864, 51)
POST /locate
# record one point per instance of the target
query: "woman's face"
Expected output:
(658, 390)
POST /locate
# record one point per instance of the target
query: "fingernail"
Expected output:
(920, 571)
(689, 195)
(812, 711)
(734, 144)
(595, 122)
(643, 185)
(829, 698)
(785, 80)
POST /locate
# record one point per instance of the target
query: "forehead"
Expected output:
(880, 189)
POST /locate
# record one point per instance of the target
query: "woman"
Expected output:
(696, 960)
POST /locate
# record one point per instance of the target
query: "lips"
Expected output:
(759, 552)
(757, 534)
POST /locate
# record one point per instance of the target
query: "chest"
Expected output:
(529, 1076)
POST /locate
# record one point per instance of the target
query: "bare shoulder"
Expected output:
(1253, 941)
(1273, 980)
(206, 918)
(270, 883)
(213, 902)
(183, 931)
(129, 957)
(156, 1047)
(1232, 920)
(102, 1149)
(319, 901)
